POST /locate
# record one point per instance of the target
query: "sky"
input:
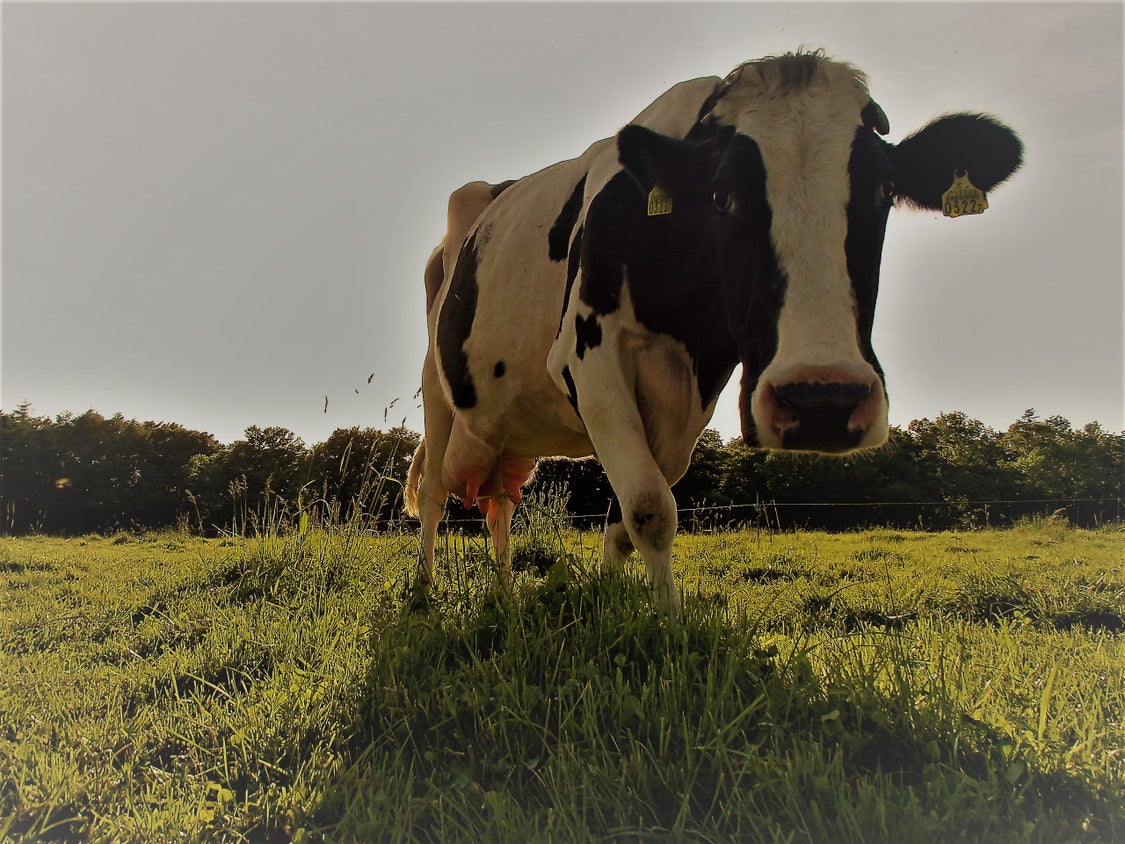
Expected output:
(218, 214)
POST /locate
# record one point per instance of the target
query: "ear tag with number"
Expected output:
(963, 197)
(659, 202)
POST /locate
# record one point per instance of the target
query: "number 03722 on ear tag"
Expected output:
(659, 202)
(963, 197)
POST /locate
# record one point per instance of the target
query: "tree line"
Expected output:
(87, 473)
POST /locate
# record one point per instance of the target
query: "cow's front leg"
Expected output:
(648, 510)
(617, 545)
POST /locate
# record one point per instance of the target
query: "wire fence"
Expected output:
(843, 515)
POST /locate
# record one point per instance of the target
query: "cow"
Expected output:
(600, 305)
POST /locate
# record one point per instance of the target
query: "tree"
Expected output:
(702, 483)
(84, 473)
(1054, 461)
(30, 470)
(253, 480)
(1042, 452)
(87, 473)
(160, 492)
(581, 482)
(362, 471)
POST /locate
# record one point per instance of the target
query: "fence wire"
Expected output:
(766, 507)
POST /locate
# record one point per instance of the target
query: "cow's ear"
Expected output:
(981, 146)
(653, 159)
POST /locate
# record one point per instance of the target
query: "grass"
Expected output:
(872, 686)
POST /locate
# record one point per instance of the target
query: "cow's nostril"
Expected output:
(818, 416)
(806, 396)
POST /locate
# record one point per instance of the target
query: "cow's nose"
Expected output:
(815, 416)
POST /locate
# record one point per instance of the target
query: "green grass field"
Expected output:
(873, 686)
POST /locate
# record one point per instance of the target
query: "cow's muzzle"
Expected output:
(821, 413)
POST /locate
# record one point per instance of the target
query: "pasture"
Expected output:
(869, 686)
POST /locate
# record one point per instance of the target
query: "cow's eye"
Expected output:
(723, 200)
(886, 193)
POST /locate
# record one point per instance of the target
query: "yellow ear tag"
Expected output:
(659, 202)
(963, 197)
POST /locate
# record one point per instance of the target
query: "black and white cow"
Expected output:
(600, 305)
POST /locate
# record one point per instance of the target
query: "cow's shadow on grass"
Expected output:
(574, 712)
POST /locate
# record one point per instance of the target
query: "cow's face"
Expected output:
(798, 186)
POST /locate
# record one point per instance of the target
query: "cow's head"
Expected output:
(789, 179)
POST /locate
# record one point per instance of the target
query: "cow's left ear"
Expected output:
(976, 144)
(653, 159)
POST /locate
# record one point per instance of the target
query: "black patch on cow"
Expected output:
(588, 334)
(455, 324)
(873, 118)
(498, 370)
(503, 186)
(612, 227)
(574, 261)
(708, 106)
(869, 168)
(710, 130)
(754, 283)
(571, 390)
(673, 271)
(558, 238)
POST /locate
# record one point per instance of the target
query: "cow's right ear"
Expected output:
(653, 159)
(979, 146)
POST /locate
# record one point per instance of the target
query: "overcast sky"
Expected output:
(219, 214)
